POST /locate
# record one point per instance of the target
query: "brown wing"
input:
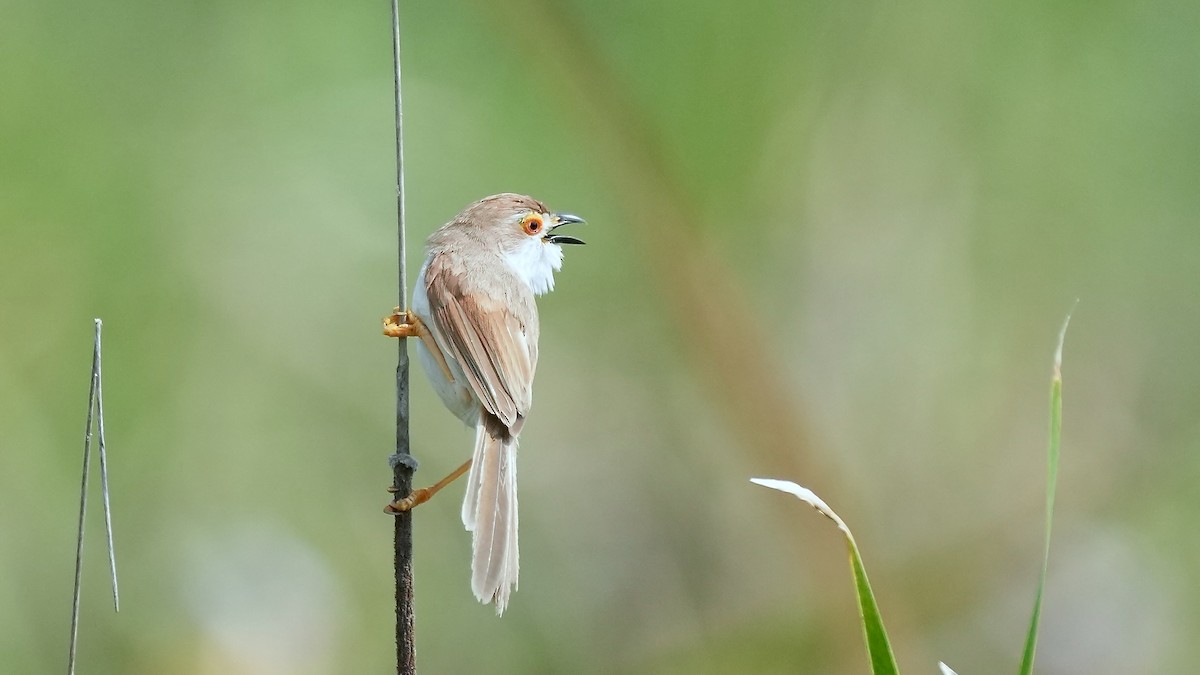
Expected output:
(493, 336)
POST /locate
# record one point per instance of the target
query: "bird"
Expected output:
(474, 313)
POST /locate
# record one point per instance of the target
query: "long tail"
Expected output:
(490, 513)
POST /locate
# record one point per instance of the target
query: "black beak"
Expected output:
(561, 219)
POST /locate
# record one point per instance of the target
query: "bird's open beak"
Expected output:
(559, 220)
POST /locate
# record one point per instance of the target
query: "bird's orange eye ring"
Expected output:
(532, 224)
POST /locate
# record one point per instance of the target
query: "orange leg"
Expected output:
(422, 495)
(405, 324)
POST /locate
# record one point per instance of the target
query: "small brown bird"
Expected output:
(473, 308)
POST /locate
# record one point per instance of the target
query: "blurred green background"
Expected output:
(829, 242)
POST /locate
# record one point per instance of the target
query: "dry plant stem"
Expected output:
(108, 531)
(95, 414)
(83, 491)
(402, 462)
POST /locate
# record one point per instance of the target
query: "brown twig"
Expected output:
(402, 461)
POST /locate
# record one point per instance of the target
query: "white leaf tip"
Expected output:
(946, 669)
(774, 484)
(1062, 337)
(806, 495)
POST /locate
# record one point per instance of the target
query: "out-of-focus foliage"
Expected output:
(899, 201)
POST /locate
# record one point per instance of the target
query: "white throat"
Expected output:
(536, 261)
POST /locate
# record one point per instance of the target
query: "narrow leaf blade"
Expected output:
(883, 662)
(879, 649)
(1052, 455)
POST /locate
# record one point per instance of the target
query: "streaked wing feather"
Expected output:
(494, 348)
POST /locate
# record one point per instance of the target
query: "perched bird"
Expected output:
(474, 312)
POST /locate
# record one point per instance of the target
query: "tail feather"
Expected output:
(490, 513)
(471, 500)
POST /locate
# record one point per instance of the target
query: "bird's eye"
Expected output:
(532, 224)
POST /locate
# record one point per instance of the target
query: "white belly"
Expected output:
(456, 396)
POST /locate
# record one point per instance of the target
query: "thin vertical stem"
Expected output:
(400, 203)
(402, 462)
(95, 413)
(83, 490)
(99, 392)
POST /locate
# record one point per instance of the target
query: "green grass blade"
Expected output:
(883, 662)
(878, 647)
(1052, 453)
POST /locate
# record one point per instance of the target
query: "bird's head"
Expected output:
(526, 233)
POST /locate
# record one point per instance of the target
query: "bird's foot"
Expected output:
(415, 498)
(422, 495)
(402, 323)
